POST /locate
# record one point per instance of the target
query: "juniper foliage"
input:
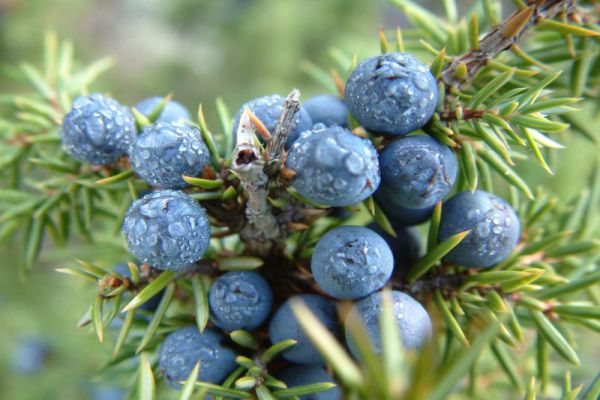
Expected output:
(508, 88)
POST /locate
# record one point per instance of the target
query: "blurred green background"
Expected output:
(199, 50)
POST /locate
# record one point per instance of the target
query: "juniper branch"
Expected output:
(502, 37)
(276, 146)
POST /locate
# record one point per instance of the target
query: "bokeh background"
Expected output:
(198, 50)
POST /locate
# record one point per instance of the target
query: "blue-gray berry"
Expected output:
(97, 130)
(167, 229)
(391, 93)
(240, 300)
(183, 348)
(413, 321)
(350, 262)
(105, 392)
(406, 247)
(268, 109)
(333, 166)
(284, 325)
(494, 225)
(300, 375)
(327, 109)
(171, 112)
(417, 171)
(400, 216)
(30, 355)
(165, 151)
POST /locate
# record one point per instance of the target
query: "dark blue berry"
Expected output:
(350, 262)
(240, 300)
(392, 93)
(30, 355)
(413, 321)
(167, 229)
(400, 216)
(268, 109)
(300, 375)
(166, 151)
(171, 112)
(333, 166)
(97, 130)
(417, 171)
(183, 348)
(284, 325)
(494, 226)
(327, 109)
(406, 247)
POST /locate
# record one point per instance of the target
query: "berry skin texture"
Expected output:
(400, 216)
(268, 109)
(327, 109)
(183, 348)
(97, 130)
(300, 375)
(417, 171)
(172, 111)
(167, 229)
(413, 321)
(406, 247)
(495, 228)
(165, 151)
(350, 262)
(284, 326)
(392, 93)
(240, 300)
(333, 166)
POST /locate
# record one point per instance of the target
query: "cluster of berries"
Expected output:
(391, 94)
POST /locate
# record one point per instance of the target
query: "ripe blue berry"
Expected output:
(284, 325)
(406, 247)
(400, 216)
(183, 348)
(97, 130)
(300, 375)
(171, 112)
(268, 109)
(165, 151)
(108, 393)
(30, 355)
(414, 324)
(240, 300)
(327, 109)
(392, 93)
(494, 225)
(417, 171)
(350, 262)
(333, 166)
(167, 229)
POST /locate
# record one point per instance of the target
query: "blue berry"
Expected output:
(165, 151)
(30, 355)
(417, 171)
(327, 109)
(300, 375)
(494, 225)
(406, 247)
(333, 166)
(284, 325)
(153, 302)
(350, 262)
(183, 348)
(167, 229)
(414, 324)
(392, 93)
(171, 112)
(97, 130)
(268, 109)
(400, 216)
(108, 393)
(240, 300)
